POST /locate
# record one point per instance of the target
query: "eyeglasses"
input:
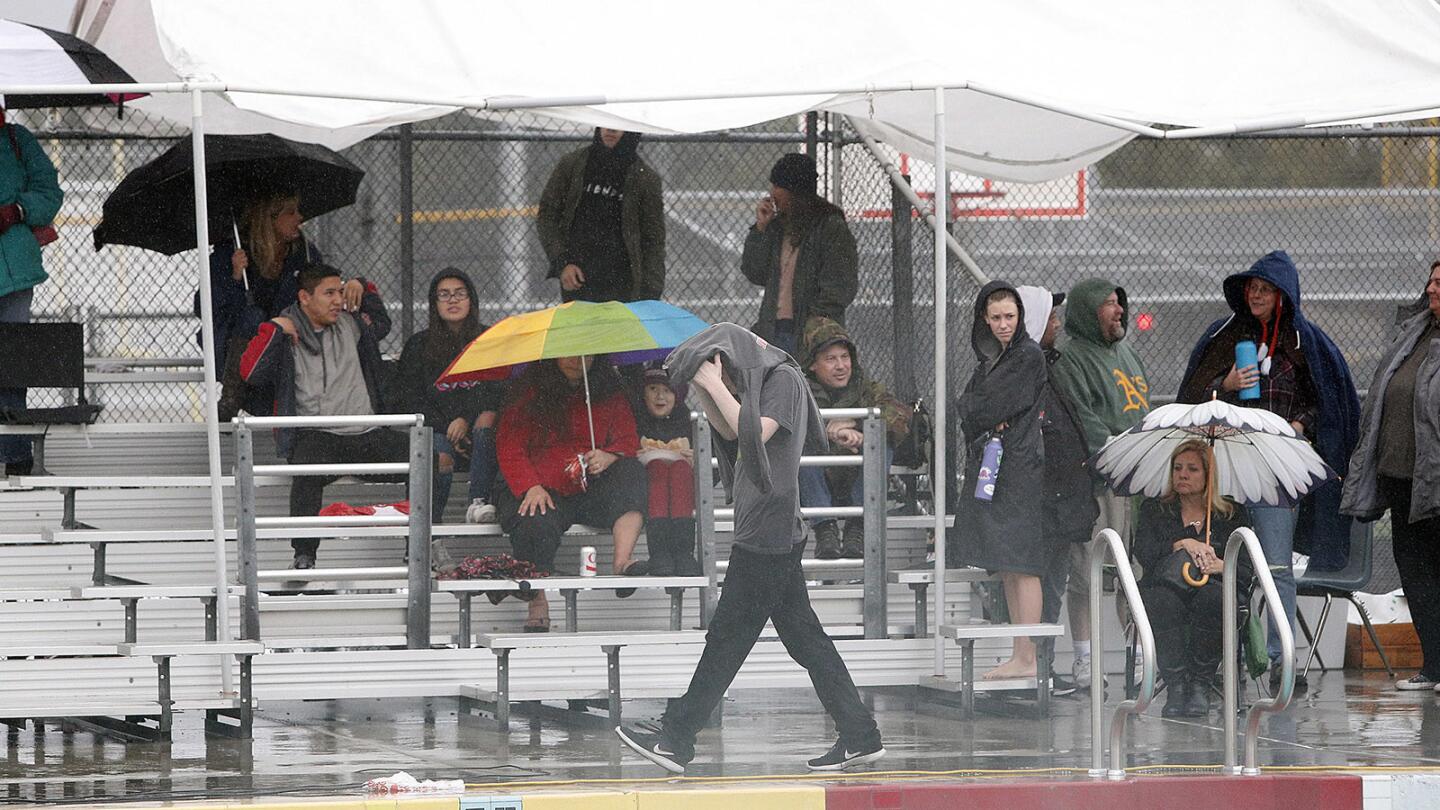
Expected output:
(452, 295)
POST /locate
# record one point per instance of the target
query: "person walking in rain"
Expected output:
(760, 407)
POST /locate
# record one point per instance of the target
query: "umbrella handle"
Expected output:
(1191, 581)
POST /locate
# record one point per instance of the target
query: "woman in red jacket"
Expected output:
(552, 476)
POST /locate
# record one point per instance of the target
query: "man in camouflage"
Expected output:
(832, 367)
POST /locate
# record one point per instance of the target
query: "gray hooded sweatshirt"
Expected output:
(761, 478)
(328, 378)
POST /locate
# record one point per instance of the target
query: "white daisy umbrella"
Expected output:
(1259, 458)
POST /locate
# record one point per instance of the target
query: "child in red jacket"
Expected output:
(664, 424)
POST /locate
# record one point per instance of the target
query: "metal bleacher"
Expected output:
(160, 539)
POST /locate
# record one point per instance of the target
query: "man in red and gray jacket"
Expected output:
(324, 361)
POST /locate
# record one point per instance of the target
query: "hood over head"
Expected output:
(1082, 318)
(625, 150)
(1038, 303)
(820, 334)
(748, 360)
(985, 344)
(471, 324)
(1275, 267)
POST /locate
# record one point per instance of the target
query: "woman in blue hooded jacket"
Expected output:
(1305, 380)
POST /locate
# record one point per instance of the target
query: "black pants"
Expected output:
(761, 587)
(622, 488)
(1417, 556)
(318, 447)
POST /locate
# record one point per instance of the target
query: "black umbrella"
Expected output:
(30, 54)
(154, 206)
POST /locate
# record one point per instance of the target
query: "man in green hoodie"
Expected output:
(1105, 381)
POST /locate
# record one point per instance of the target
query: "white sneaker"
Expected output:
(479, 511)
(1080, 672)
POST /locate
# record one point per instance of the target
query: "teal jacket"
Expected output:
(31, 182)
(1104, 380)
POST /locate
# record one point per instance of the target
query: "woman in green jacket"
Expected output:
(29, 198)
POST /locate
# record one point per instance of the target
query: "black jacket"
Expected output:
(1070, 506)
(1007, 386)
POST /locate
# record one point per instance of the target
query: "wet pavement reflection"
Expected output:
(334, 746)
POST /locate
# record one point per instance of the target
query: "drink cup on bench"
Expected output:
(587, 561)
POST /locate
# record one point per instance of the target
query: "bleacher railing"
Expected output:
(1244, 539)
(1109, 545)
(417, 472)
(874, 475)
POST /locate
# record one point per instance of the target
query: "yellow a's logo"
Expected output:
(1135, 389)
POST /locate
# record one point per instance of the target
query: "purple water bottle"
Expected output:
(1246, 355)
(989, 469)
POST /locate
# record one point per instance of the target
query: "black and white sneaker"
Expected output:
(840, 757)
(656, 748)
(1061, 686)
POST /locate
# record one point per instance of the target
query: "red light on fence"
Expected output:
(1144, 321)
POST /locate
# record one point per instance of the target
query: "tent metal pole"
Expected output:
(207, 353)
(937, 474)
(902, 185)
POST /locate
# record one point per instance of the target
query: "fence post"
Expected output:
(417, 612)
(876, 474)
(705, 515)
(245, 532)
(407, 231)
(812, 133)
(902, 285)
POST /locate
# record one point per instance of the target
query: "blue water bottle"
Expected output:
(989, 469)
(1246, 355)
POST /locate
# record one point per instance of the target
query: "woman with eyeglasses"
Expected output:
(461, 414)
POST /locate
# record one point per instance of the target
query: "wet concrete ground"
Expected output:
(332, 746)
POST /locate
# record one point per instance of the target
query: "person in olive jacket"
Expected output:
(30, 197)
(602, 222)
(806, 261)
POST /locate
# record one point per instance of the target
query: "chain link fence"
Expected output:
(1166, 220)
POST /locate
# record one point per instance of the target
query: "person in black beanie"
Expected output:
(806, 261)
(602, 222)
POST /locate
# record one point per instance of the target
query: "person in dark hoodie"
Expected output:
(463, 414)
(1103, 379)
(323, 361)
(1070, 507)
(1004, 399)
(756, 399)
(1305, 380)
(663, 423)
(832, 364)
(602, 222)
(806, 261)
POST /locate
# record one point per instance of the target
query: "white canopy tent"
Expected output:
(1012, 91)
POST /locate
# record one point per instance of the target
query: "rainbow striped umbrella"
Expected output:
(631, 332)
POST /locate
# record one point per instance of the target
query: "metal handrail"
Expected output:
(871, 459)
(1246, 537)
(369, 420)
(1108, 540)
(416, 468)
